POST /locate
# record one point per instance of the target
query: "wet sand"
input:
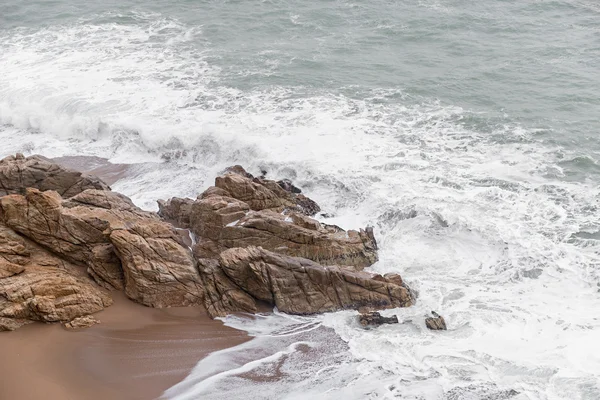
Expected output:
(135, 353)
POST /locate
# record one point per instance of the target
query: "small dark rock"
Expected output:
(288, 186)
(436, 323)
(376, 319)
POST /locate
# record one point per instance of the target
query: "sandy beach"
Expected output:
(135, 353)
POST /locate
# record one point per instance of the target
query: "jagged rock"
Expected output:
(81, 323)
(76, 233)
(263, 194)
(221, 295)
(436, 323)
(159, 271)
(18, 173)
(122, 246)
(211, 215)
(36, 285)
(222, 223)
(241, 211)
(176, 210)
(376, 319)
(47, 294)
(294, 285)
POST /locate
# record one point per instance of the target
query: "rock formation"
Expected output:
(435, 323)
(375, 319)
(122, 246)
(65, 239)
(294, 285)
(35, 285)
(240, 211)
(18, 173)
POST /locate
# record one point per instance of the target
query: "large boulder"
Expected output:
(257, 193)
(222, 227)
(18, 173)
(46, 294)
(263, 194)
(241, 211)
(36, 285)
(78, 234)
(242, 276)
(123, 246)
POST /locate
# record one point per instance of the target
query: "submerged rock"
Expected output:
(436, 323)
(376, 319)
(19, 172)
(243, 276)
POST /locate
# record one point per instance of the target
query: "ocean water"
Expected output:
(466, 133)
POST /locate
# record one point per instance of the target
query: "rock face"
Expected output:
(241, 211)
(18, 173)
(435, 323)
(376, 319)
(65, 239)
(294, 285)
(122, 246)
(35, 285)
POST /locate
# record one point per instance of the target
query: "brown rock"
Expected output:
(95, 228)
(262, 194)
(221, 224)
(436, 323)
(81, 323)
(209, 216)
(176, 210)
(376, 319)
(159, 271)
(221, 295)
(47, 294)
(18, 173)
(294, 285)
(76, 233)
(36, 285)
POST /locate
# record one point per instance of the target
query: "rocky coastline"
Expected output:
(67, 242)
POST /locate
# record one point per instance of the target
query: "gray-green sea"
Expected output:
(466, 133)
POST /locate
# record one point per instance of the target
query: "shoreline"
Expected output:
(136, 352)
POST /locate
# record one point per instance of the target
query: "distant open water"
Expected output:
(465, 132)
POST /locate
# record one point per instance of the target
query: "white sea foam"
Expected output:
(474, 215)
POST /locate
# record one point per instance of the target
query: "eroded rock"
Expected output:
(241, 210)
(46, 294)
(122, 246)
(221, 227)
(294, 285)
(18, 173)
(435, 323)
(375, 319)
